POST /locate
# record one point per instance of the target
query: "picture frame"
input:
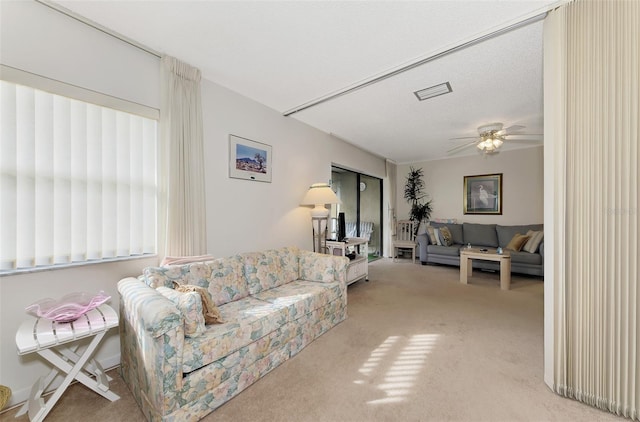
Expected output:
(249, 160)
(483, 194)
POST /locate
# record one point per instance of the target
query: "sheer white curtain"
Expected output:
(592, 61)
(182, 212)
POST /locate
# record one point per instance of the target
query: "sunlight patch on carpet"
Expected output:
(403, 359)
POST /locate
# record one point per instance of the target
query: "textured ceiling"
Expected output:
(285, 54)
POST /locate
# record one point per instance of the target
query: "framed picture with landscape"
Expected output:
(483, 194)
(249, 159)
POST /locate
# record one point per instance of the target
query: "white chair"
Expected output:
(405, 239)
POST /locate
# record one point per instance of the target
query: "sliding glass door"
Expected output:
(361, 197)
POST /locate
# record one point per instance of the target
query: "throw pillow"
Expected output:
(447, 239)
(190, 306)
(438, 236)
(534, 241)
(210, 311)
(517, 242)
(432, 235)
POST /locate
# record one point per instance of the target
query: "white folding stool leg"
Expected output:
(38, 410)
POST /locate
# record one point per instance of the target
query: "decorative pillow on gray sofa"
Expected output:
(455, 229)
(480, 234)
(506, 233)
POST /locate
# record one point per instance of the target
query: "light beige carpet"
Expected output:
(417, 346)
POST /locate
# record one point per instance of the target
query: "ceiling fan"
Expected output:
(490, 139)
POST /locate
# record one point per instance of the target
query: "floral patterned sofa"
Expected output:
(272, 304)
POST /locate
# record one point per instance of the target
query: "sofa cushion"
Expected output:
(535, 238)
(301, 297)
(455, 229)
(431, 233)
(269, 269)
(438, 234)
(444, 250)
(226, 283)
(525, 258)
(506, 233)
(446, 236)
(517, 242)
(209, 309)
(223, 278)
(247, 320)
(480, 234)
(164, 276)
(190, 306)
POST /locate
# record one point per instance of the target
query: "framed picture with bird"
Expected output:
(483, 194)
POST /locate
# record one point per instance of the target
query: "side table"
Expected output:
(359, 267)
(53, 341)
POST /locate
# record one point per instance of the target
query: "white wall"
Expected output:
(245, 215)
(37, 39)
(522, 186)
(242, 215)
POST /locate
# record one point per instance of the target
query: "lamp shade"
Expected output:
(320, 194)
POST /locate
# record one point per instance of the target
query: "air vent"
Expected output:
(433, 91)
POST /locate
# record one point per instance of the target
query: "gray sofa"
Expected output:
(482, 235)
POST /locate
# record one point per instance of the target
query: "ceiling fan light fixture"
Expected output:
(433, 91)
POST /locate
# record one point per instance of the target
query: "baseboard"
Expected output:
(20, 396)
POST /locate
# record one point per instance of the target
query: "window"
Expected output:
(77, 180)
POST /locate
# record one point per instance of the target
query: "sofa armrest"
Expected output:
(323, 268)
(541, 249)
(151, 344)
(423, 241)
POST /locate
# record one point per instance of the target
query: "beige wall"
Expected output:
(522, 186)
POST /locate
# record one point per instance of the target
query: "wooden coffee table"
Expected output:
(468, 254)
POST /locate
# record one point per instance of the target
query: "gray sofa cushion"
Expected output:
(455, 229)
(480, 234)
(444, 250)
(525, 258)
(506, 233)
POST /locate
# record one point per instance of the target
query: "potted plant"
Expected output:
(415, 195)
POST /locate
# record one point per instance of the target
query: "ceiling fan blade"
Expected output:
(464, 137)
(460, 148)
(513, 128)
(523, 140)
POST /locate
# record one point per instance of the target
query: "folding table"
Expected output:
(54, 342)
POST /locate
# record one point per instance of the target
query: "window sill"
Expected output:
(6, 273)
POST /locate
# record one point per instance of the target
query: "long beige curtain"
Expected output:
(392, 178)
(182, 192)
(592, 96)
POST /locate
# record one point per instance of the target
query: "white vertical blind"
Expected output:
(77, 180)
(597, 310)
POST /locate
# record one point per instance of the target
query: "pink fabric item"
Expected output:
(180, 260)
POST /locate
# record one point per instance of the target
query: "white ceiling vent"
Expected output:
(433, 91)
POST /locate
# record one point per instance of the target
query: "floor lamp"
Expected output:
(318, 195)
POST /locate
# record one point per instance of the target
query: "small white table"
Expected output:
(469, 254)
(52, 341)
(359, 267)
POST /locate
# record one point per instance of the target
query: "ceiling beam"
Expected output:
(520, 22)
